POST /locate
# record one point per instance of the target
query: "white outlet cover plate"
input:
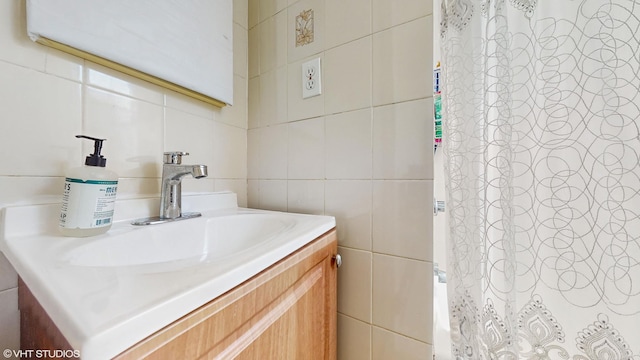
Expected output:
(311, 78)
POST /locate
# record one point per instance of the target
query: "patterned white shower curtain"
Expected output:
(541, 113)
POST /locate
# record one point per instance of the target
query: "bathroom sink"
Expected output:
(106, 293)
(179, 244)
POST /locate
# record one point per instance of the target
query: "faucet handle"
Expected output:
(174, 157)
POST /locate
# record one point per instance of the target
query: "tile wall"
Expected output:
(362, 151)
(47, 97)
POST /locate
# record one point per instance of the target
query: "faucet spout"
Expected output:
(171, 193)
(177, 172)
(199, 171)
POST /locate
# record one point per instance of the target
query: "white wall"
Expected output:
(362, 151)
(47, 97)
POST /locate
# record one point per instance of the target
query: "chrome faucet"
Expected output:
(171, 193)
(172, 173)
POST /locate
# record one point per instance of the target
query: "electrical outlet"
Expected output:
(311, 80)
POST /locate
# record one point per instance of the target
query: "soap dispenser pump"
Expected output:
(89, 196)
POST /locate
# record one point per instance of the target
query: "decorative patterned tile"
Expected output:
(304, 28)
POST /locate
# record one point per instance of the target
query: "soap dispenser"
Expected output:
(89, 196)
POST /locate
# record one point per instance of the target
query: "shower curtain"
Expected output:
(541, 115)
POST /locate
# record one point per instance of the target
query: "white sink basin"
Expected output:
(180, 244)
(108, 292)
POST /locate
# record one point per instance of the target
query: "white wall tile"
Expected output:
(269, 8)
(254, 115)
(305, 196)
(41, 113)
(273, 45)
(229, 145)
(306, 149)
(273, 195)
(253, 15)
(123, 121)
(189, 105)
(139, 187)
(104, 78)
(254, 156)
(31, 190)
(390, 345)
(236, 114)
(403, 140)
(402, 296)
(239, 187)
(253, 194)
(354, 284)
(180, 128)
(388, 13)
(402, 62)
(346, 21)
(253, 61)
(354, 337)
(240, 51)
(64, 65)
(348, 145)
(403, 218)
(241, 13)
(273, 96)
(191, 185)
(347, 76)
(273, 152)
(350, 202)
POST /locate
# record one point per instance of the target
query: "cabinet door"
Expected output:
(287, 311)
(299, 324)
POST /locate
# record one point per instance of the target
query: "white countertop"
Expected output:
(103, 310)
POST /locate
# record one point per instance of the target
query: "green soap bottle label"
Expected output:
(87, 204)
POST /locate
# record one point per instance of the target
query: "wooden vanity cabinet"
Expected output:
(287, 311)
